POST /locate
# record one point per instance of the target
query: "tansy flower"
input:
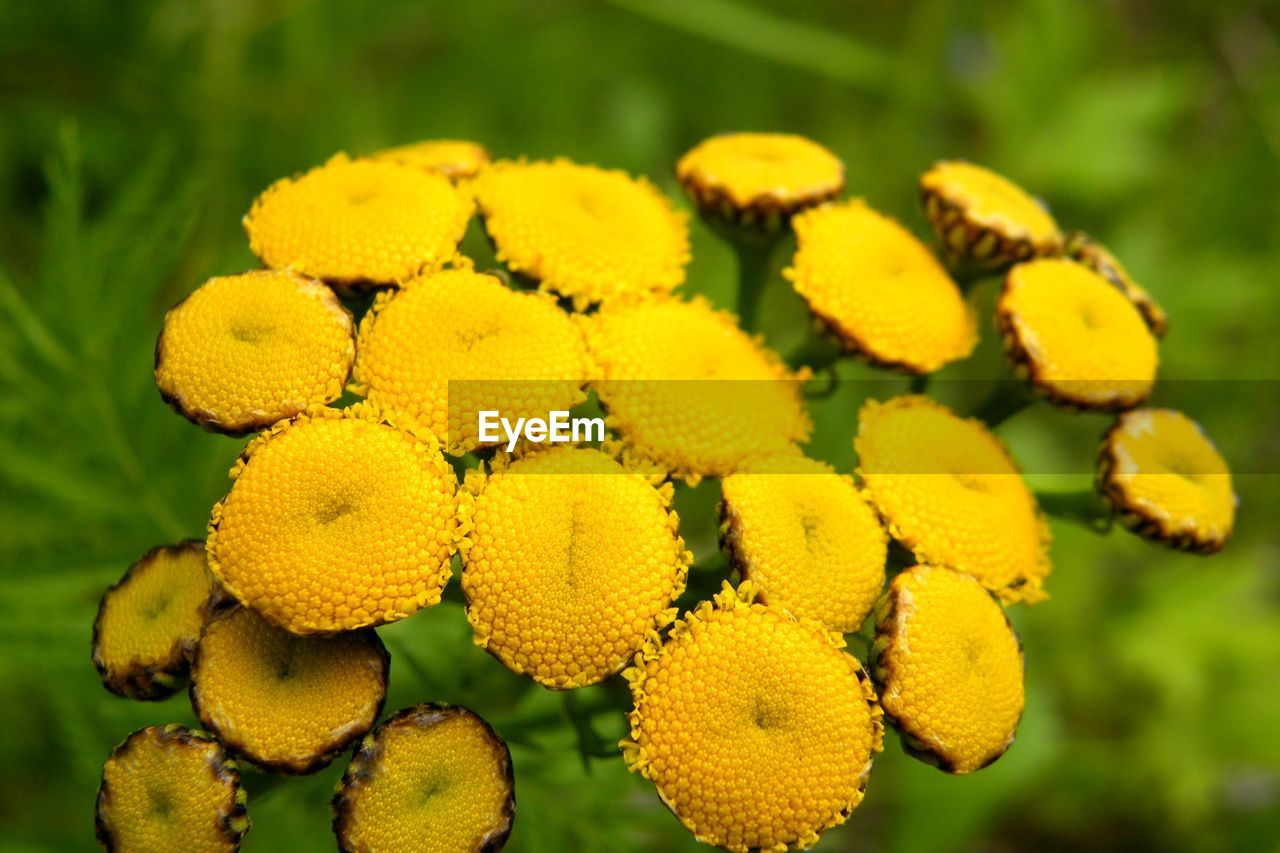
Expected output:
(359, 222)
(149, 622)
(573, 558)
(169, 788)
(586, 233)
(878, 289)
(757, 730)
(447, 346)
(1167, 481)
(948, 667)
(337, 520)
(984, 220)
(456, 159)
(806, 538)
(1082, 248)
(245, 351)
(759, 179)
(684, 386)
(951, 494)
(1078, 340)
(285, 702)
(429, 778)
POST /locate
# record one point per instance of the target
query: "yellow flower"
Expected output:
(149, 622)
(337, 520)
(169, 788)
(1167, 481)
(586, 233)
(951, 494)
(879, 289)
(456, 159)
(429, 778)
(757, 730)
(685, 387)
(359, 222)
(759, 179)
(1082, 248)
(245, 351)
(284, 702)
(949, 669)
(447, 346)
(806, 538)
(573, 558)
(984, 220)
(1078, 340)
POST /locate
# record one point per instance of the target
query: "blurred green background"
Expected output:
(135, 135)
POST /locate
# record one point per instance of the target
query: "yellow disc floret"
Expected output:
(759, 178)
(586, 233)
(455, 343)
(337, 520)
(757, 730)
(1077, 338)
(879, 290)
(245, 351)
(951, 494)
(359, 222)
(985, 220)
(169, 788)
(286, 702)
(1082, 248)
(430, 778)
(149, 622)
(686, 387)
(806, 538)
(948, 667)
(456, 159)
(1167, 481)
(574, 558)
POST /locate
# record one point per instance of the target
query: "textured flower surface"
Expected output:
(574, 558)
(950, 493)
(583, 232)
(948, 667)
(454, 158)
(806, 538)
(757, 730)
(359, 222)
(879, 289)
(429, 778)
(1075, 336)
(169, 788)
(337, 520)
(282, 701)
(245, 351)
(450, 345)
(1167, 481)
(1082, 248)
(684, 386)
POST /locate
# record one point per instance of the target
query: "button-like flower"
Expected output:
(1084, 249)
(456, 159)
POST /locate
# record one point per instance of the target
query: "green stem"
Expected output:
(817, 352)
(919, 384)
(1006, 399)
(755, 252)
(1083, 507)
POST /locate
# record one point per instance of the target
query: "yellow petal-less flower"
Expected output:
(359, 223)
(429, 778)
(1166, 480)
(1078, 340)
(806, 538)
(447, 346)
(951, 494)
(456, 159)
(284, 702)
(149, 621)
(949, 669)
(879, 290)
(759, 179)
(757, 730)
(586, 233)
(337, 520)
(245, 351)
(1082, 248)
(983, 219)
(573, 558)
(170, 788)
(685, 387)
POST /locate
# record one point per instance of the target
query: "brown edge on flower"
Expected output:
(972, 245)
(1083, 249)
(766, 213)
(369, 752)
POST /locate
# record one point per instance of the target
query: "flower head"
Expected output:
(1081, 248)
(456, 159)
